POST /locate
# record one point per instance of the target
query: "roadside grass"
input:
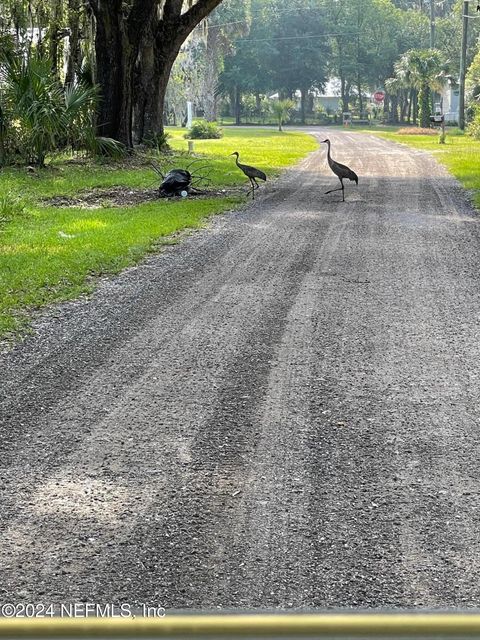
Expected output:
(50, 253)
(265, 149)
(460, 154)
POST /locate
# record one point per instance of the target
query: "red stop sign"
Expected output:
(379, 96)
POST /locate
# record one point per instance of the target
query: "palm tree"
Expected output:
(39, 116)
(422, 69)
(394, 89)
(281, 110)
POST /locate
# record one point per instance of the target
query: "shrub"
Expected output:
(158, 141)
(38, 116)
(249, 106)
(203, 130)
(473, 128)
(281, 110)
(417, 131)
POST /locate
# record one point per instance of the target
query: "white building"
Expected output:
(450, 100)
(330, 98)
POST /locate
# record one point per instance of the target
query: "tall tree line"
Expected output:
(298, 46)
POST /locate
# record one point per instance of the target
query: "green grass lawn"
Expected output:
(266, 149)
(49, 253)
(460, 154)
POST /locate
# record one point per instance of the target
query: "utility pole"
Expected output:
(463, 64)
(432, 24)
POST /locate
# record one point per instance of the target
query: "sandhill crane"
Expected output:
(340, 170)
(251, 173)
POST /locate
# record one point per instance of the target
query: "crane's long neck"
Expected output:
(236, 160)
(328, 151)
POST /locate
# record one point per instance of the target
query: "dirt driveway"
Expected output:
(281, 411)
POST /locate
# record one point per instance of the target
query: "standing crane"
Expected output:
(251, 172)
(340, 170)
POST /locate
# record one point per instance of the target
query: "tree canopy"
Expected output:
(126, 51)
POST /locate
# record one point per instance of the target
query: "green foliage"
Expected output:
(264, 148)
(50, 253)
(39, 116)
(203, 130)
(473, 127)
(298, 47)
(159, 141)
(284, 50)
(11, 206)
(81, 101)
(424, 70)
(472, 81)
(281, 110)
(424, 109)
(34, 110)
(379, 34)
(249, 105)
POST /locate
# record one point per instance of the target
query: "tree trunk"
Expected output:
(360, 97)
(394, 109)
(169, 33)
(403, 105)
(347, 94)
(386, 106)
(342, 94)
(108, 47)
(310, 103)
(153, 120)
(415, 106)
(74, 53)
(424, 99)
(113, 74)
(53, 35)
(410, 106)
(258, 106)
(303, 104)
(238, 105)
(117, 43)
(2, 138)
(142, 81)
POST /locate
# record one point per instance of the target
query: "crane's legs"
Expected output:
(342, 189)
(253, 188)
(255, 185)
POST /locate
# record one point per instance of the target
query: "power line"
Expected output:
(226, 24)
(274, 13)
(320, 35)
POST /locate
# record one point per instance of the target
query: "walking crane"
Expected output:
(251, 172)
(340, 170)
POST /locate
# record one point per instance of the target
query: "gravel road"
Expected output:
(281, 411)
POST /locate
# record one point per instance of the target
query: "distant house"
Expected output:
(449, 98)
(330, 98)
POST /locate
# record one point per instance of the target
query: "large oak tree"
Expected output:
(140, 37)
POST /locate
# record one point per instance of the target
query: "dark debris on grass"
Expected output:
(126, 196)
